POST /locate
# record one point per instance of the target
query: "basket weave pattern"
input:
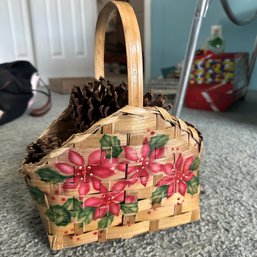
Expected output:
(153, 144)
(133, 172)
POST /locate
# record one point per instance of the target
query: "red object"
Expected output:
(217, 81)
(213, 98)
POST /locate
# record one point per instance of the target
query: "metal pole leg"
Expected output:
(252, 61)
(200, 12)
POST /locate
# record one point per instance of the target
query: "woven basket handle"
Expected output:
(133, 48)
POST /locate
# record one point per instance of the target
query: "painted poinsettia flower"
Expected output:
(139, 166)
(107, 203)
(130, 199)
(177, 175)
(98, 167)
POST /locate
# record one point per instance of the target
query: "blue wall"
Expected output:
(171, 21)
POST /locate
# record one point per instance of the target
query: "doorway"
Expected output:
(57, 36)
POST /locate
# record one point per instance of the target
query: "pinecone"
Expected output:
(94, 101)
(37, 150)
(102, 98)
(151, 99)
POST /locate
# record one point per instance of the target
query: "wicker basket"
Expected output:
(134, 172)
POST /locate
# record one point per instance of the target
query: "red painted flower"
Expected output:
(98, 167)
(177, 175)
(109, 202)
(139, 167)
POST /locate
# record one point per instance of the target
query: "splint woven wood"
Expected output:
(133, 172)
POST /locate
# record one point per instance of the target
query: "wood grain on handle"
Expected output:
(133, 48)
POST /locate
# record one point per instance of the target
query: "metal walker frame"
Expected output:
(200, 13)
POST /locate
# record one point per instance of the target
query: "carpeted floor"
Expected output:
(228, 225)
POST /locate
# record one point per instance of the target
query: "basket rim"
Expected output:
(81, 136)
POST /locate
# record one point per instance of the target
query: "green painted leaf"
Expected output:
(49, 175)
(105, 221)
(195, 164)
(159, 194)
(192, 185)
(86, 215)
(73, 205)
(158, 142)
(114, 143)
(37, 194)
(129, 208)
(59, 215)
(68, 204)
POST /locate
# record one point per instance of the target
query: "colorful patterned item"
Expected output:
(217, 81)
(213, 69)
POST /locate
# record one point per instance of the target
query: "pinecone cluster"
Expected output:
(94, 101)
(151, 99)
(101, 98)
(37, 150)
